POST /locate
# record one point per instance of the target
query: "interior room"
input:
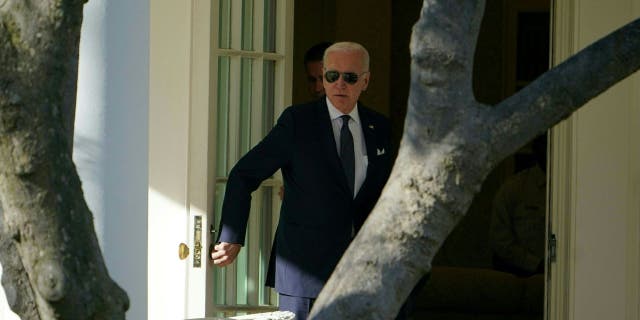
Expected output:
(513, 49)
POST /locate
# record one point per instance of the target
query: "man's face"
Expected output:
(314, 78)
(342, 94)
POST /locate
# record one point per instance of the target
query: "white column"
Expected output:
(596, 181)
(111, 137)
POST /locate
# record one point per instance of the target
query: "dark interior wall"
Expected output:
(489, 70)
(314, 22)
(494, 79)
(384, 28)
(367, 22)
(405, 14)
(468, 243)
(491, 56)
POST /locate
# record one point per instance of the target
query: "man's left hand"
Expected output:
(225, 253)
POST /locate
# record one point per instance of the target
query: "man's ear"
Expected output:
(365, 79)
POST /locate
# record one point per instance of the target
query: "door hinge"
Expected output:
(552, 247)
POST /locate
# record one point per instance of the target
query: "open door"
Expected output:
(242, 50)
(220, 77)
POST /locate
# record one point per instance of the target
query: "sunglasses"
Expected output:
(348, 77)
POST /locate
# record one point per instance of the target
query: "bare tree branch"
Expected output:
(449, 145)
(562, 90)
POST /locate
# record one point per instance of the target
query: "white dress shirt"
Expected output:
(359, 148)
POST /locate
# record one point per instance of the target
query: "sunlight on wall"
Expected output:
(110, 142)
(89, 127)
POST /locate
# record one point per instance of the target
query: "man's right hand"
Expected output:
(225, 253)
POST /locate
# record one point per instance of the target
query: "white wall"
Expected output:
(111, 137)
(596, 186)
(607, 177)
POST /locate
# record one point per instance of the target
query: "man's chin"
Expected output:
(342, 103)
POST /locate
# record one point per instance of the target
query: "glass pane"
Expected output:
(268, 96)
(245, 106)
(242, 272)
(266, 239)
(270, 25)
(245, 282)
(247, 24)
(224, 35)
(248, 261)
(222, 125)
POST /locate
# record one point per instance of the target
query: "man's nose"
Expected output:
(340, 82)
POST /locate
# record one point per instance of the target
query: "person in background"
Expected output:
(334, 156)
(314, 70)
(517, 227)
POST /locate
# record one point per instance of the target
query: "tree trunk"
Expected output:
(47, 229)
(449, 145)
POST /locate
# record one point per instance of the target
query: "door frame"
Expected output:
(604, 141)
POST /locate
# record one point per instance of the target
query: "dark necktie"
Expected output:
(346, 152)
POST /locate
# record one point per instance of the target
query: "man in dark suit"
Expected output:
(335, 158)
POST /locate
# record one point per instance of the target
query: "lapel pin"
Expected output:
(370, 126)
(380, 151)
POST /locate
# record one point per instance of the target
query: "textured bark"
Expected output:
(449, 145)
(53, 268)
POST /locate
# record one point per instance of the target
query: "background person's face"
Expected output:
(314, 78)
(344, 96)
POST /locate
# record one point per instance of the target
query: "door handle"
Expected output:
(183, 251)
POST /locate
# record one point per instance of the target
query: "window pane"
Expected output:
(270, 25)
(222, 142)
(247, 25)
(224, 35)
(268, 96)
(245, 105)
(266, 238)
(242, 275)
(250, 266)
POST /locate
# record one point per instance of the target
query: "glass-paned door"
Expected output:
(251, 62)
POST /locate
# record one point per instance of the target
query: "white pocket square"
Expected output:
(380, 151)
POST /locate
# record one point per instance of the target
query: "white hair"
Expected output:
(349, 46)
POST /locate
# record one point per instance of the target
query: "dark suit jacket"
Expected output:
(317, 211)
